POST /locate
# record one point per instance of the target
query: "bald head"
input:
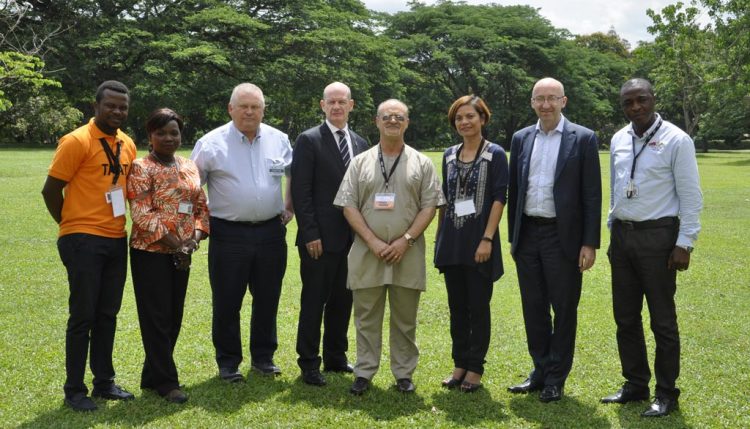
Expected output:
(548, 99)
(393, 103)
(337, 103)
(337, 87)
(550, 83)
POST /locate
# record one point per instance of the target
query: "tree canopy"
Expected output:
(188, 54)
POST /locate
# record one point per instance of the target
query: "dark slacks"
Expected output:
(469, 295)
(548, 279)
(160, 297)
(639, 268)
(244, 257)
(96, 267)
(324, 298)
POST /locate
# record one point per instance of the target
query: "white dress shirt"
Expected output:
(540, 200)
(243, 177)
(665, 178)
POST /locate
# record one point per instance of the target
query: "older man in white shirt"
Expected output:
(243, 163)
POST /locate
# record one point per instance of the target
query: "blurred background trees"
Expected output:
(188, 54)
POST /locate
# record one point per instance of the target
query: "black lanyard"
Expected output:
(459, 177)
(645, 143)
(113, 159)
(382, 165)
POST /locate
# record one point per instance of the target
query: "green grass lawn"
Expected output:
(713, 302)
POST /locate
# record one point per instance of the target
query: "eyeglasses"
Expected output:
(551, 99)
(388, 118)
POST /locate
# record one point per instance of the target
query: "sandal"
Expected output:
(452, 383)
(468, 387)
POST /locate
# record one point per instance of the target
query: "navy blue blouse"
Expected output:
(485, 181)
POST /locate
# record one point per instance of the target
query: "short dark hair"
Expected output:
(479, 105)
(637, 82)
(161, 117)
(111, 85)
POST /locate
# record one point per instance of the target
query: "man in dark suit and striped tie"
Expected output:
(321, 157)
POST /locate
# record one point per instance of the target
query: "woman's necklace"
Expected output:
(171, 163)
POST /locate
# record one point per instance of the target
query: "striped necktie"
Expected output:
(343, 147)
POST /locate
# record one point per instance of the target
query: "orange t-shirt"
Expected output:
(81, 161)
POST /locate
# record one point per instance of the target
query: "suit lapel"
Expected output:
(526, 149)
(567, 141)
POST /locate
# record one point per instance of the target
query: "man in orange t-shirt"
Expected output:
(84, 195)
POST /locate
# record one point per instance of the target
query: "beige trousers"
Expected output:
(369, 308)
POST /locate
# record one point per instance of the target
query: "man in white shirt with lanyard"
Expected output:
(243, 162)
(653, 219)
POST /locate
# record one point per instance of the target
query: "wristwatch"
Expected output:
(409, 239)
(688, 249)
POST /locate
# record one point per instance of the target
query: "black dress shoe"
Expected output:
(346, 368)
(176, 396)
(359, 386)
(113, 392)
(551, 393)
(313, 377)
(405, 385)
(660, 407)
(625, 395)
(231, 375)
(527, 386)
(80, 402)
(266, 368)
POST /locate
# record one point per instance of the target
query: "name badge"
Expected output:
(275, 167)
(631, 191)
(465, 207)
(116, 197)
(385, 201)
(185, 207)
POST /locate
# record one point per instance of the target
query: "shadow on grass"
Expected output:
(738, 163)
(476, 409)
(213, 395)
(378, 403)
(630, 416)
(566, 413)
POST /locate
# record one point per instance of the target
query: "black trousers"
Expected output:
(97, 267)
(244, 257)
(324, 298)
(469, 295)
(160, 297)
(548, 279)
(639, 268)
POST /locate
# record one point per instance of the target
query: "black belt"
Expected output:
(276, 218)
(541, 220)
(646, 224)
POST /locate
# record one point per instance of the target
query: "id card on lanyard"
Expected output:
(116, 195)
(386, 200)
(465, 206)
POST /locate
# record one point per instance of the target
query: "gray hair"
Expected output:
(249, 88)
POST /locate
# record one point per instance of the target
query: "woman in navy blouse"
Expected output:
(467, 252)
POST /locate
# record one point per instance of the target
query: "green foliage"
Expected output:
(188, 55)
(20, 73)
